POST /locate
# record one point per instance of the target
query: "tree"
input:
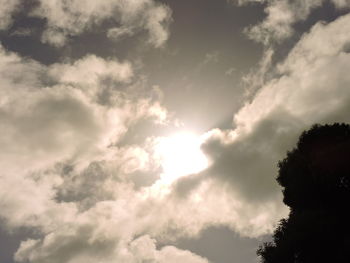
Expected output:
(315, 177)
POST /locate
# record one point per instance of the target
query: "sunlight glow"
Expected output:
(181, 155)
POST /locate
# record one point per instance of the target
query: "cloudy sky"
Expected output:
(150, 130)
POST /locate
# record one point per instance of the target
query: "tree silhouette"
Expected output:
(315, 177)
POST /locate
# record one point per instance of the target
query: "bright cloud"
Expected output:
(180, 155)
(312, 89)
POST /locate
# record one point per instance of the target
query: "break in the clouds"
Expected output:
(84, 173)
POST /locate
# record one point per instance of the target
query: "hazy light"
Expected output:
(181, 155)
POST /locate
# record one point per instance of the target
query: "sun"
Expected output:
(181, 155)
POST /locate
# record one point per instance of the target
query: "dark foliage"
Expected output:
(315, 177)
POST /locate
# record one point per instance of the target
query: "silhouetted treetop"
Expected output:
(317, 172)
(315, 176)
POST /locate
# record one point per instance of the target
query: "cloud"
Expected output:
(58, 113)
(341, 3)
(63, 173)
(77, 246)
(156, 21)
(282, 16)
(62, 145)
(91, 73)
(120, 228)
(311, 87)
(117, 33)
(7, 8)
(257, 76)
(28, 201)
(171, 254)
(66, 19)
(71, 18)
(63, 122)
(22, 32)
(312, 76)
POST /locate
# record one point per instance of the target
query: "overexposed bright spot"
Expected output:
(181, 155)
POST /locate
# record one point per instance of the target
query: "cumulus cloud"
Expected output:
(311, 87)
(60, 148)
(77, 246)
(119, 229)
(43, 126)
(68, 120)
(71, 18)
(313, 76)
(54, 124)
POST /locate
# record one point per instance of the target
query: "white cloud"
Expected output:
(171, 254)
(312, 87)
(89, 73)
(117, 33)
(43, 126)
(85, 214)
(257, 76)
(109, 231)
(68, 121)
(73, 17)
(27, 201)
(156, 21)
(281, 17)
(313, 76)
(77, 246)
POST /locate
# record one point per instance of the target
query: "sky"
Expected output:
(150, 130)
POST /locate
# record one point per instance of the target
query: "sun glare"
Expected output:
(181, 155)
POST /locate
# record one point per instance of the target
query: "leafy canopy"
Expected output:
(315, 177)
